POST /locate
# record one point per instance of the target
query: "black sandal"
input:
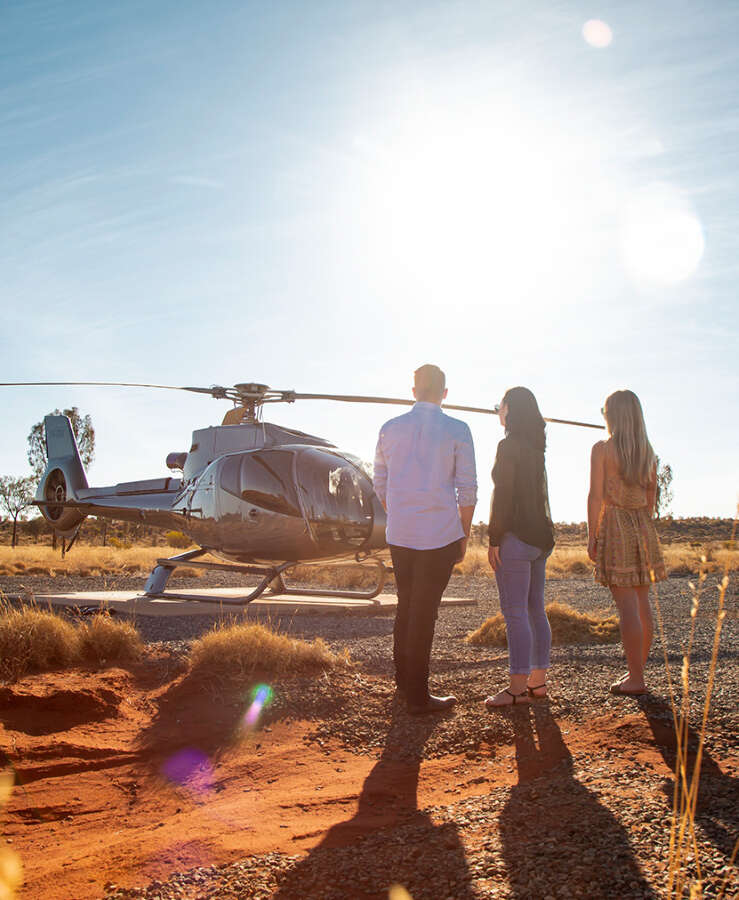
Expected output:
(537, 687)
(516, 699)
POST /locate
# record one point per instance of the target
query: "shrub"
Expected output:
(178, 539)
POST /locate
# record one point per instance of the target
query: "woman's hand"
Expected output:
(494, 557)
(592, 548)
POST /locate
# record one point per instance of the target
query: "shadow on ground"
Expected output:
(717, 809)
(554, 831)
(388, 840)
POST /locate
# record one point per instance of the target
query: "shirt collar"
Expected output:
(425, 404)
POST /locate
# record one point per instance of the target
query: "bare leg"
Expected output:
(517, 686)
(632, 636)
(538, 679)
(647, 622)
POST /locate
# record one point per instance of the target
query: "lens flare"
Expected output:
(661, 237)
(261, 697)
(190, 768)
(398, 892)
(597, 33)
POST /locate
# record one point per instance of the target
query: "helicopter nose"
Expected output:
(379, 520)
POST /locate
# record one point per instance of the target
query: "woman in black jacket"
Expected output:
(521, 538)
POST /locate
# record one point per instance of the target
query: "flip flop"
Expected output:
(516, 699)
(537, 687)
(620, 692)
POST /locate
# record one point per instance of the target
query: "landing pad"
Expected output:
(216, 604)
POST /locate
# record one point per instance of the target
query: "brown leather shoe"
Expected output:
(432, 705)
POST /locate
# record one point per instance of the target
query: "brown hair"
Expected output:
(429, 382)
(625, 421)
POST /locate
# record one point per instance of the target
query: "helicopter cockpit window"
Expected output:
(337, 497)
(263, 479)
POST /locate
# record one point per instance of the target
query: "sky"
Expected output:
(322, 196)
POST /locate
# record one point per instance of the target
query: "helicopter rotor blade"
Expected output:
(348, 398)
(214, 391)
(258, 394)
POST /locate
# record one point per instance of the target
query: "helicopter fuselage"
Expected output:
(249, 493)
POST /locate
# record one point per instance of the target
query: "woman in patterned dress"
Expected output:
(623, 541)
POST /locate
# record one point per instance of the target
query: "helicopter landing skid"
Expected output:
(272, 577)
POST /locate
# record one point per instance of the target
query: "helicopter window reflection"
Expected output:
(337, 497)
(263, 479)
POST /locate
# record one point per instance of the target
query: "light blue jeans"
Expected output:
(520, 578)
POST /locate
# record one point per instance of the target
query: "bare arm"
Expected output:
(596, 494)
(652, 492)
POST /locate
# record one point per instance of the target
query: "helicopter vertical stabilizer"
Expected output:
(63, 477)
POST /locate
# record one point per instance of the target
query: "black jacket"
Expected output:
(520, 498)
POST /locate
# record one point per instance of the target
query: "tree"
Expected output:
(84, 434)
(664, 489)
(16, 495)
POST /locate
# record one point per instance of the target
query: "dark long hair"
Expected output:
(524, 420)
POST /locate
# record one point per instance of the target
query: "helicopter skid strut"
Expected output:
(272, 577)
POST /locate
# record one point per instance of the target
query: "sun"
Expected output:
(490, 213)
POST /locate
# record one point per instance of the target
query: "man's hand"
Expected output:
(462, 550)
(494, 557)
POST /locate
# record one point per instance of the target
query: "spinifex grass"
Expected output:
(234, 652)
(683, 838)
(35, 640)
(568, 627)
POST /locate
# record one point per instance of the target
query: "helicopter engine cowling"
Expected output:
(52, 494)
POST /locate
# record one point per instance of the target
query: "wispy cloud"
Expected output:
(197, 181)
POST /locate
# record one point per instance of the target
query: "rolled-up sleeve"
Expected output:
(465, 471)
(379, 476)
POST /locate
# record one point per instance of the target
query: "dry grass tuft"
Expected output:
(34, 640)
(37, 640)
(105, 640)
(684, 853)
(568, 627)
(231, 653)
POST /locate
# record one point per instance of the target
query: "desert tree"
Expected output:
(84, 434)
(16, 495)
(664, 489)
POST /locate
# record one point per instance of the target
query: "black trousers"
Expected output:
(420, 577)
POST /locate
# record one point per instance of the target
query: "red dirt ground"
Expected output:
(92, 805)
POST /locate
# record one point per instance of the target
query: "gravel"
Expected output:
(579, 823)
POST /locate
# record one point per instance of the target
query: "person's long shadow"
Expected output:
(717, 808)
(554, 831)
(390, 839)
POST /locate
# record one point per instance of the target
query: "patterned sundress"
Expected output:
(628, 553)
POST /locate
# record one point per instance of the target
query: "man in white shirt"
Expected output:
(425, 478)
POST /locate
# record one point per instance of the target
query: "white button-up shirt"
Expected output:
(425, 470)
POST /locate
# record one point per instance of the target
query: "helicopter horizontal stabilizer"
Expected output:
(148, 501)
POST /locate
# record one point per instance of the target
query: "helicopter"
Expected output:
(259, 497)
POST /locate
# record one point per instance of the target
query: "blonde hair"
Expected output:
(625, 421)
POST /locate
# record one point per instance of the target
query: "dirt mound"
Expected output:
(36, 712)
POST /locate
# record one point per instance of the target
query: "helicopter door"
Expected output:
(337, 499)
